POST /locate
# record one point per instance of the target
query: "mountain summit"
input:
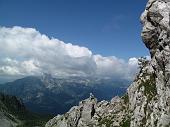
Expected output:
(147, 102)
(48, 95)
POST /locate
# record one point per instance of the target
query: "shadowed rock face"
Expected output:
(10, 108)
(147, 102)
(149, 95)
(155, 20)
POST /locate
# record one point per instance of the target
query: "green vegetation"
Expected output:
(126, 98)
(15, 110)
(149, 87)
(105, 121)
(109, 120)
(126, 123)
(29, 119)
(31, 122)
(150, 91)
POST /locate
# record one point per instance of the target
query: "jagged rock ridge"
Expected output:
(48, 95)
(147, 102)
(91, 113)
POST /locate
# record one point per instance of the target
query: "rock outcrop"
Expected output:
(149, 95)
(10, 108)
(147, 102)
(89, 113)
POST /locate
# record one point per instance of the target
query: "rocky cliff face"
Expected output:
(147, 102)
(10, 108)
(14, 114)
(149, 95)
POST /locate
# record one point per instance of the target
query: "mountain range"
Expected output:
(48, 95)
(147, 101)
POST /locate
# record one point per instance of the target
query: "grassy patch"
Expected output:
(126, 98)
(105, 121)
(149, 87)
(126, 123)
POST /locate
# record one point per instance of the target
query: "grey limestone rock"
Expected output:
(147, 102)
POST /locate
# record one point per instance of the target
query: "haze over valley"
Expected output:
(84, 63)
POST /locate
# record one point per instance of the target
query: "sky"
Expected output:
(85, 37)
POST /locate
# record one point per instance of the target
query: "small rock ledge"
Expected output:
(147, 102)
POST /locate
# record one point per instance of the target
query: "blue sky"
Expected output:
(106, 27)
(89, 38)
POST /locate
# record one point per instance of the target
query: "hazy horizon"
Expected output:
(78, 38)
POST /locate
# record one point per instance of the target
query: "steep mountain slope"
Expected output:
(149, 94)
(7, 103)
(13, 113)
(50, 95)
(147, 102)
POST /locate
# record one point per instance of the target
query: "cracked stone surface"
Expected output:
(147, 102)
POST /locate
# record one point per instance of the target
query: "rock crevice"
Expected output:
(147, 102)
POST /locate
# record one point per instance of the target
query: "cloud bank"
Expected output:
(25, 51)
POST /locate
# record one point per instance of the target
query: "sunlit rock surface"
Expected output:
(147, 102)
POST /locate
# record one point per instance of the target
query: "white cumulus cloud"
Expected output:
(25, 51)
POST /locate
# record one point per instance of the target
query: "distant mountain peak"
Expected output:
(147, 101)
(46, 76)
